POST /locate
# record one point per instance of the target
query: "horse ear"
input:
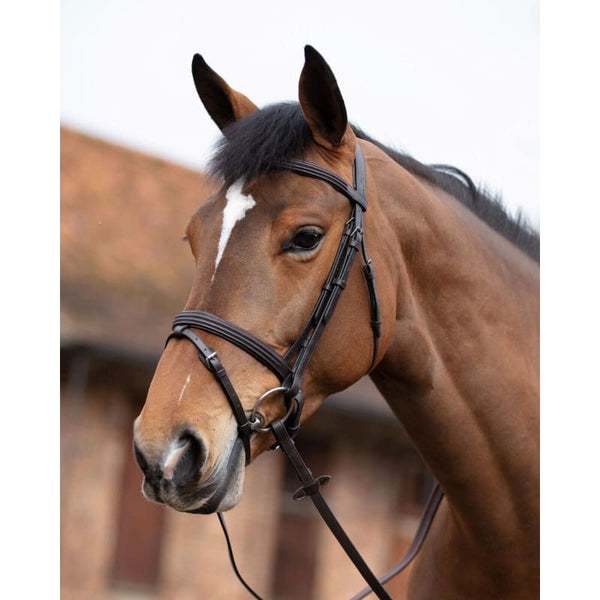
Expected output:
(321, 100)
(222, 103)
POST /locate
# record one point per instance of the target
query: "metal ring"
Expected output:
(257, 419)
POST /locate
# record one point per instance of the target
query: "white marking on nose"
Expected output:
(183, 389)
(171, 461)
(235, 210)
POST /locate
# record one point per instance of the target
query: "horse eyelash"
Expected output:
(184, 238)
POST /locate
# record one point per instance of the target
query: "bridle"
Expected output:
(291, 367)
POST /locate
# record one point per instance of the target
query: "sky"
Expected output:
(447, 82)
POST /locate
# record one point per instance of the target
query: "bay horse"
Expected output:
(449, 333)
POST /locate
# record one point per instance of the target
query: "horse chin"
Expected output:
(224, 486)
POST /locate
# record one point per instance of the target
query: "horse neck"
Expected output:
(461, 371)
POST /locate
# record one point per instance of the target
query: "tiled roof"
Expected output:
(124, 271)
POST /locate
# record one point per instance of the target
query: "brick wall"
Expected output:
(94, 431)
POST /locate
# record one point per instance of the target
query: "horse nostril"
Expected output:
(184, 463)
(152, 474)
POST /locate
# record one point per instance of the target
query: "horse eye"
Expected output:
(304, 240)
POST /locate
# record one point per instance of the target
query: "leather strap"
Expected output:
(311, 487)
(429, 513)
(306, 343)
(237, 336)
(212, 362)
(232, 557)
(308, 169)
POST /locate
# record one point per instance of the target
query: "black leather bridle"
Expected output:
(291, 367)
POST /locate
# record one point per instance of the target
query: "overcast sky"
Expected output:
(452, 82)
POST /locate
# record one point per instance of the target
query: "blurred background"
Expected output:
(447, 82)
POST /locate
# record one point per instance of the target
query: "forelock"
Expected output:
(253, 145)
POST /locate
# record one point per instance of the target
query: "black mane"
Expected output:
(254, 145)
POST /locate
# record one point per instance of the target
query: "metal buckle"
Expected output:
(357, 230)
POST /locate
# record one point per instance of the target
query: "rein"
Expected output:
(290, 369)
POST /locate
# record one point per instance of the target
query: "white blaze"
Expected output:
(235, 210)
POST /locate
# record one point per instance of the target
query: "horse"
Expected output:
(443, 316)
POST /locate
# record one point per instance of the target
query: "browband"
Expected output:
(308, 169)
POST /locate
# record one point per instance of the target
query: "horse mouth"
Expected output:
(221, 491)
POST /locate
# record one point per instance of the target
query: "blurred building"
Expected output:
(124, 274)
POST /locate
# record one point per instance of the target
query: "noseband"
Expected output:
(291, 367)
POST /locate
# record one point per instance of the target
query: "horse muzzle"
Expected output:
(178, 478)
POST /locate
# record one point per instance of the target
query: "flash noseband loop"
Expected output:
(257, 420)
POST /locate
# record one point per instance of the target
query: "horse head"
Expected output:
(263, 246)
